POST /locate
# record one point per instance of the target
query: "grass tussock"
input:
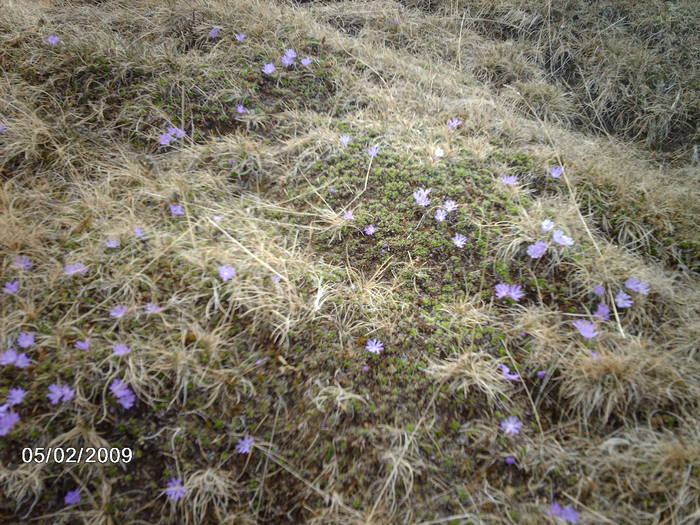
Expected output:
(440, 266)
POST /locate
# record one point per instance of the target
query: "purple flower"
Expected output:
(287, 61)
(176, 209)
(7, 421)
(290, 53)
(306, 62)
(511, 426)
(602, 312)
(541, 374)
(450, 206)
(268, 69)
(585, 328)
(502, 290)
(245, 445)
(11, 287)
(138, 233)
(15, 396)
(23, 263)
(59, 393)
(453, 123)
(3, 128)
(72, 269)
(370, 230)
(276, 279)
(120, 350)
(214, 33)
(515, 292)
(507, 375)
(440, 215)
(226, 273)
(165, 139)
(537, 250)
(217, 218)
(332, 191)
(177, 132)
(348, 216)
(11, 357)
(241, 109)
(622, 300)
(22, 361)
(152, 308)
(25, 339)
(439, 153)
(599, 290)
(365, 368)
(567, 514)
(556, 171)
(175, 490)
(345, 140)
(375, 346)
(240, 37)
(637, 286)
(459, 240)
(562, 240)
(83, 345)
(53, 40)
(509, 180)
(421, 196)
(373, 151)
(123, 393)
(510, 460)
(547, 225)
(118, 311)
(595, 356)
(72, 497)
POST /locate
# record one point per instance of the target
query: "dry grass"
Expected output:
(278, 352)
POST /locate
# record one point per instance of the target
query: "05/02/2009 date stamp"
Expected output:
(77, 455)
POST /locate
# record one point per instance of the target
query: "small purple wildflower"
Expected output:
(175, 490)
(118, 311)
(120, 350)
(585, 328)
(568, 514)
(453, 123)
(332, 191)
(556, 171)
(73, 269)
(507, 375)
(439, 153)
(11, 287)
(22, 361)
(245, 445)
(83, 345)
(276, 279)
(459, 240)
(226, 273)
(547, 225)
(290, 53)
(241, 109)
(510, 460)
(450, 206)
(559, 238)
(15, 396)
(373, 151)
(602, 312)
(370, 230)
(306, 62)
(595, 356)
(138, 233)
(11, 357)
(217, 218)
(541, 374)
(268, 69)
(215, 32)
(348, 216)
(511, 426)
(58, 393)
(345, 140)
(123, 393)
(165, 139)
(375, 346)
(623, 300)
(7, 421)
(152, 308)
(509, 180)
(177, 132)
(515, 291)
(421, 196)
(176, 209)
(25, 339)
(240, 37)
(3, 128)
(53, 40)
(72, 497)
(599, 290)
(365, 368)
(287, 61)
(637, 286)
(23, 263)
(440, 215)
(537, 250)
